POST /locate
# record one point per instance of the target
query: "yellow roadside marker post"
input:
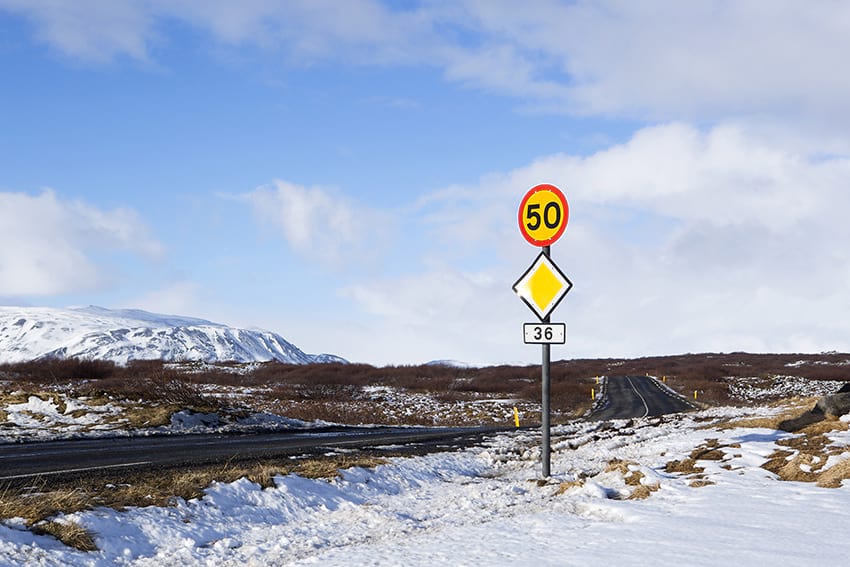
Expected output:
(516, 416)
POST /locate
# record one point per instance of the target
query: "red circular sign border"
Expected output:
(558, 193)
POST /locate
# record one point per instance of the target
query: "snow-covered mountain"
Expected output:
(28, 333)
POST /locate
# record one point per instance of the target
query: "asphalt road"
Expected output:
(625, 397)
(74, 457)
(638, 396)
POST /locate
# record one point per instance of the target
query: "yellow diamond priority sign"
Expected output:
(542, 286)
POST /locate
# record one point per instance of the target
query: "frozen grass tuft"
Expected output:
(69, 533)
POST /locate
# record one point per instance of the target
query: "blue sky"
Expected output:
(347, 173)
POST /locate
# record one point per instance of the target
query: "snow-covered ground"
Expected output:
(55, 415)
(483, 506)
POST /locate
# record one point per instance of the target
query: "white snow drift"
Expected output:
(482, 506)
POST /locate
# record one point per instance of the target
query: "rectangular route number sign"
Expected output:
(544, 333)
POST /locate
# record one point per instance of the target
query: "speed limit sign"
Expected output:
(543, 215)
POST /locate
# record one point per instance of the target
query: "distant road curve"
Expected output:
(626, 397)
(84, 457)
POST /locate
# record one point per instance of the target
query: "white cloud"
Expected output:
(322, 225)
(56, 244)
(679, 240)
(101, 30)
(177, 298)
(95, 30)
(439, 313)
(659, 59)
(652, 60)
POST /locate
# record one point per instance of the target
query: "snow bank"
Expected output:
(484, 506)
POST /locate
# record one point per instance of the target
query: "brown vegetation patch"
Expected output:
(804, 457)
(806, 443)
(793, 412)
(825, 426)
(685, 466)
(703, 454)
(16, 397)
(619, 465)
(833, 476)
(69, 533)
(335, 392)
(643, 491)
(777, 460)
(34, 505)
(792, 470)
(147, 416)
(330, 468)
(709, 451)
(747, 423)
(568, 484)
(20, 397)
(635, 478)
(700, 482)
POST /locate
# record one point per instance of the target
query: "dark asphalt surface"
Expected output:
(625, 397)
(638, 396)
(66, 458)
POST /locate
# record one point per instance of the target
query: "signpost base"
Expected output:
(545, 418)
(544, 393)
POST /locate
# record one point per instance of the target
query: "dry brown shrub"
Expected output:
(685, 466)
(630, 477)
(833, 476)
(706, 454)
(148, 416)
(263, 474)
(700, 482)
(806, 443)
(48, 372)
(643, 491)
(39, 503)
(825, 426)
(320, 468)
(16, 397)
(568, 484)
(708, 451)
(777, 460)
(634, 479)
(619, 465)
(69, 533)
(792, 469)
(807, 454)
(794, 412)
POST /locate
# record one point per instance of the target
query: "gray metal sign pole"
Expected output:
(544, 425)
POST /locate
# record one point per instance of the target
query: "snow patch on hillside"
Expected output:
(28, 333)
